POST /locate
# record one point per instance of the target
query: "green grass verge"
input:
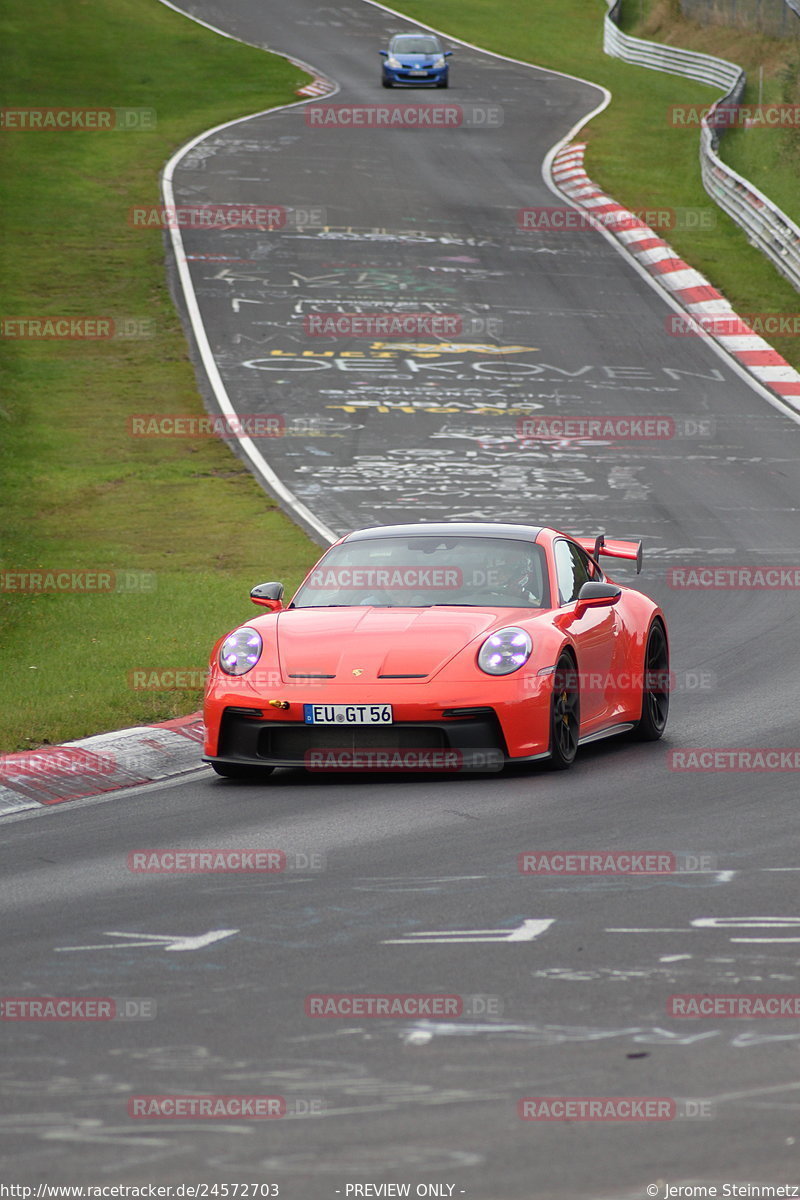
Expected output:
(633, 151)
(76, 491)
(768, 156)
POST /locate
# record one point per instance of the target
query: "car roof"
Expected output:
(422, 33)
(527, 533)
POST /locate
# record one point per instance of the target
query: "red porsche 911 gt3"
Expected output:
(451, 646)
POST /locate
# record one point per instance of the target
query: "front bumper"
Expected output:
(470, 743)
(474, 731)
(403, 77)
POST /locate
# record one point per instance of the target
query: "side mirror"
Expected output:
(268, 595)
(595, 594)
(385, 53)
(447, 53)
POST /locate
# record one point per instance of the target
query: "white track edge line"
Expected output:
(248, 447)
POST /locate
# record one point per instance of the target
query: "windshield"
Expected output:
(415, 45)
(424, 570)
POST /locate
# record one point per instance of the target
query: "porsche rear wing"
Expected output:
(613, 548)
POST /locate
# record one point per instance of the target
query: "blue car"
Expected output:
(413, 59)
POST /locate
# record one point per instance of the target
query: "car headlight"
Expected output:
(393, 62)
(439, 62)
(240, 652)
(505, 651)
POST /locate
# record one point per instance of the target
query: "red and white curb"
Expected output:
(106, 762)
(319, 86)
(709, 308)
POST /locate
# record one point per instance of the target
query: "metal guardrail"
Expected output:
(767, 226)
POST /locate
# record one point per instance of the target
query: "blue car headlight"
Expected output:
(240, 652)
(393, 62)
(505, 651)
(438, 62)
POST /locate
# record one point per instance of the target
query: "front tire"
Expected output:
(655, 689)
(385, 83)
(241, 771)
(564, 715)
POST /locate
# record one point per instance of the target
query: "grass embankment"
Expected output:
(767, 155)
(77, 492)
(634, 152)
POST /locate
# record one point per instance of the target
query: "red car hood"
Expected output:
(380, 642)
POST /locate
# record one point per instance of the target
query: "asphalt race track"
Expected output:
(556, 323)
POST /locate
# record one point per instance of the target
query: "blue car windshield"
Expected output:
(426, 570)
(408, 44)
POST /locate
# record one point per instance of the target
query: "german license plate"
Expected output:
(418, 72)
(347, 714)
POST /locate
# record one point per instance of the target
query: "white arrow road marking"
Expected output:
(747, 922)
(731, 924)
(525, 932)
(164, 941)
(764, 939)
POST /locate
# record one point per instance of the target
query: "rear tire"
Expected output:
(241, 771)
(564, 716)
(655, 691)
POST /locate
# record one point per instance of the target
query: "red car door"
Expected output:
(598, 635)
